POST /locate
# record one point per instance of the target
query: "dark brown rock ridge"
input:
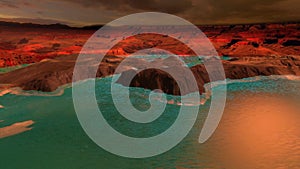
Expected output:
(237, 69)
(49, 74)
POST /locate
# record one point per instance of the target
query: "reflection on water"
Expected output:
(259, 129)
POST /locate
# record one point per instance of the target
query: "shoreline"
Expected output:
(60, 90)
(40, 77)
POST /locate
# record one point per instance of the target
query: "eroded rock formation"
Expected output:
(236, 69)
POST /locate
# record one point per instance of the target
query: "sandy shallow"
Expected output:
(15, 128)
(4, 92)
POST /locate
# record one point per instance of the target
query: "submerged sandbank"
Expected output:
(15, 128)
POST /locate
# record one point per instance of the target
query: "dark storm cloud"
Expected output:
(169, 6)
(235, 8)
(13, 4)
(85, 12)
(239, 11)
(208, 11)
(9, 4)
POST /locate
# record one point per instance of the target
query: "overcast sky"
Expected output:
(88, 12)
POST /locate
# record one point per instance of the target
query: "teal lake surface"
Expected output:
(259, 129)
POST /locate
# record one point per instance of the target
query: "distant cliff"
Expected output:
(33, 43)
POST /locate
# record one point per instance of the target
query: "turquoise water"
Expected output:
(58, 141)
(189, 61)
(12, 68)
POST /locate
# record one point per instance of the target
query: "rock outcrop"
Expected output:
(49, 74)
(239, 68)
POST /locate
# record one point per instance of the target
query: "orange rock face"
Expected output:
(22, 45)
